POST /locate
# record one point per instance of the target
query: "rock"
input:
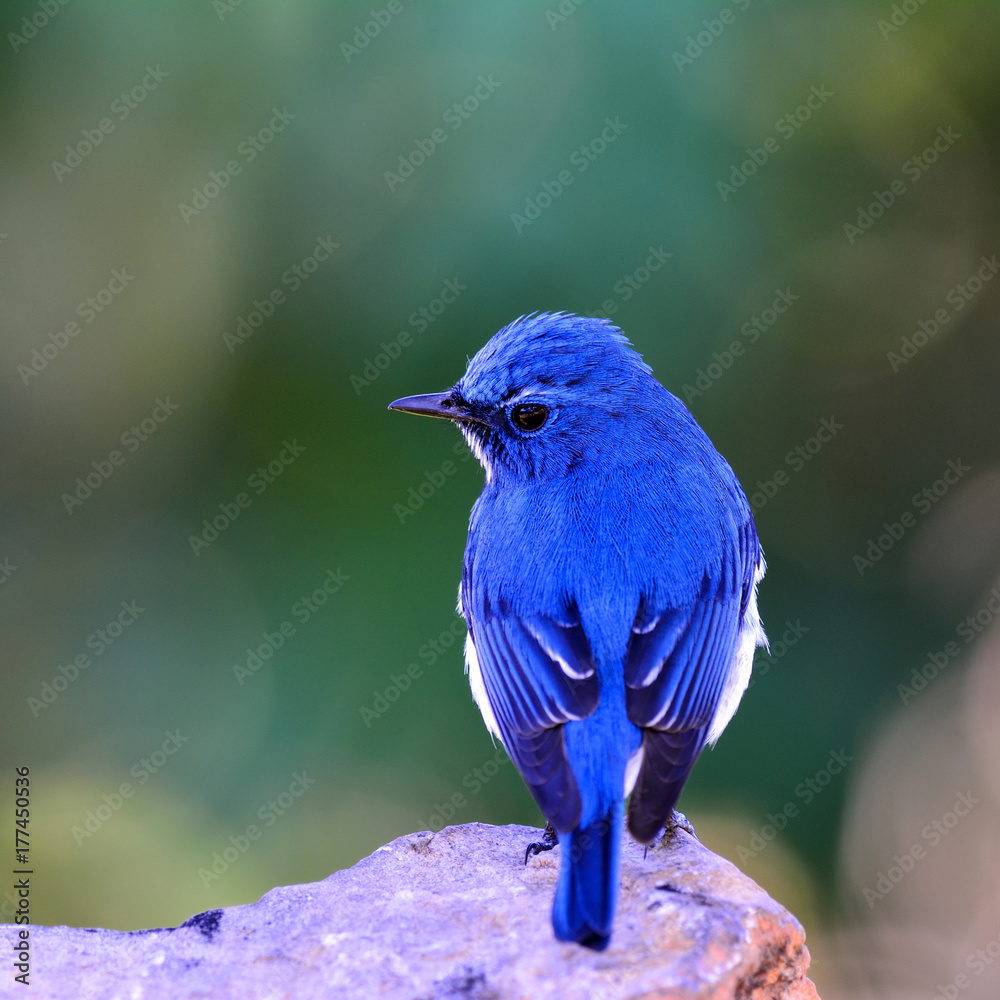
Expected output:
(446, 916)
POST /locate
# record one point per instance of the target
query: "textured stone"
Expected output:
(450, 916)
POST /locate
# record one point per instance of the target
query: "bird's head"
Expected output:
(545, 394)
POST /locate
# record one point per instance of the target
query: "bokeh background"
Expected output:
(746, 146)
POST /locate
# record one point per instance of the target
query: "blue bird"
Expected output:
(609, 587)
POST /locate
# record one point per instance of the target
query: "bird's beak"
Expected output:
(432, 404)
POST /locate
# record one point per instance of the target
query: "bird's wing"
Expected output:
(678, 664)
(537, 674)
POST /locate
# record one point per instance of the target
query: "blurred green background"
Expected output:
(179, 164)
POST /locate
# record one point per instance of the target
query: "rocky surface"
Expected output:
(449, 916)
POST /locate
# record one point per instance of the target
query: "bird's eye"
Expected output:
(529, 416)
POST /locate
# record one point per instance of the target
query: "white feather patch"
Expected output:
(472, 668)
(751, 636)
(632, 770)
(478, 451)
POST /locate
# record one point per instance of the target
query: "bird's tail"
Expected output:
(590, 858)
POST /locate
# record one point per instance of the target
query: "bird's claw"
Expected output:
(676, 821)
(549, 840)
(679, 820)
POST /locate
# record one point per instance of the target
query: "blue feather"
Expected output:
(587, 889)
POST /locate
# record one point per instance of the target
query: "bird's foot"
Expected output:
(676, 821)
(679, 820)
(549, 840)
